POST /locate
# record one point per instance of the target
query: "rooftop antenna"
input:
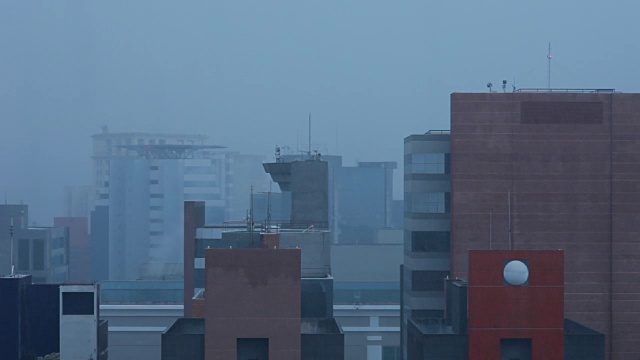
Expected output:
(549, 57)
(11, 239)
(514, 84)
(251, 210)
(309, 153)
(490, 228)
(504, 85)
(490, 85)
(510, 227)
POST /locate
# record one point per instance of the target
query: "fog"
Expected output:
(247, 73)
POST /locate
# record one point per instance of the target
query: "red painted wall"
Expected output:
(534, 311)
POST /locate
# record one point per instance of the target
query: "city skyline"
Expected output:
(248, 76)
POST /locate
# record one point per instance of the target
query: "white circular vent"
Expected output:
(516, 273)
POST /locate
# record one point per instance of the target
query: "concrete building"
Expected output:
(367, 298)
(359, 198)
(40, 251)
(308, 182)
(144, 178)
(427, 225)
(80, 334)
(108, 146)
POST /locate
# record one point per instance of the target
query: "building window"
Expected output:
(154, 167)
(23, 254)
(431, 202)
(155, 208)
(77, 303)
(156, 233)
(426, 280)
(391, 353)
(38, 254)
(428, 164)
(156, 221)
(430, 241)
(162, 141)
(154, 182)
(156, 196)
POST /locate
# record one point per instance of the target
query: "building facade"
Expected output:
(40, 251)
(546, 170)
(427, 226)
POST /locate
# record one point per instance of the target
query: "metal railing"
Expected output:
(566, 91)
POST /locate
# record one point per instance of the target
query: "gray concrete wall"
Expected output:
(366, 263)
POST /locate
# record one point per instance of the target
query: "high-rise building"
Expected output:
(427, 226)
(545, 169)
(143, 179)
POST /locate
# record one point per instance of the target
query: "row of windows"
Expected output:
(200, 183)
(200, 170)
(428, 202)
(428, 280)
(427, 164)
(430, 241)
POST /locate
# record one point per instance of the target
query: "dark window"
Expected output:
(155, 207)
(431, 241)
(156, 221)
(153, 182)
(155, 167)
(156, 233)
(198, 275)
(428, 202)
(512, 349)
(427, 314)
(561, 112)
(424, 280)
(252, 349)
(77, 303)
(104, 196)
(23, 254)
(390, 353)
(38, 254)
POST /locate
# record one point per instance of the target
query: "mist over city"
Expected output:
(319, 180)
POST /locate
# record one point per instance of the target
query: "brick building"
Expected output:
(547, 170)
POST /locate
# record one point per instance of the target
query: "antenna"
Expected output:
(251, 210)
(510, 227)
(514, 84)
(11, 239)
(309, 153)
(549, 57)
(490, 85)
(504, 85)
(490, 228)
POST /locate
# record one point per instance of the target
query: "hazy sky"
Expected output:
(247, 73)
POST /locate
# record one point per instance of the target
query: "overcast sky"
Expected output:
(247, 73)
